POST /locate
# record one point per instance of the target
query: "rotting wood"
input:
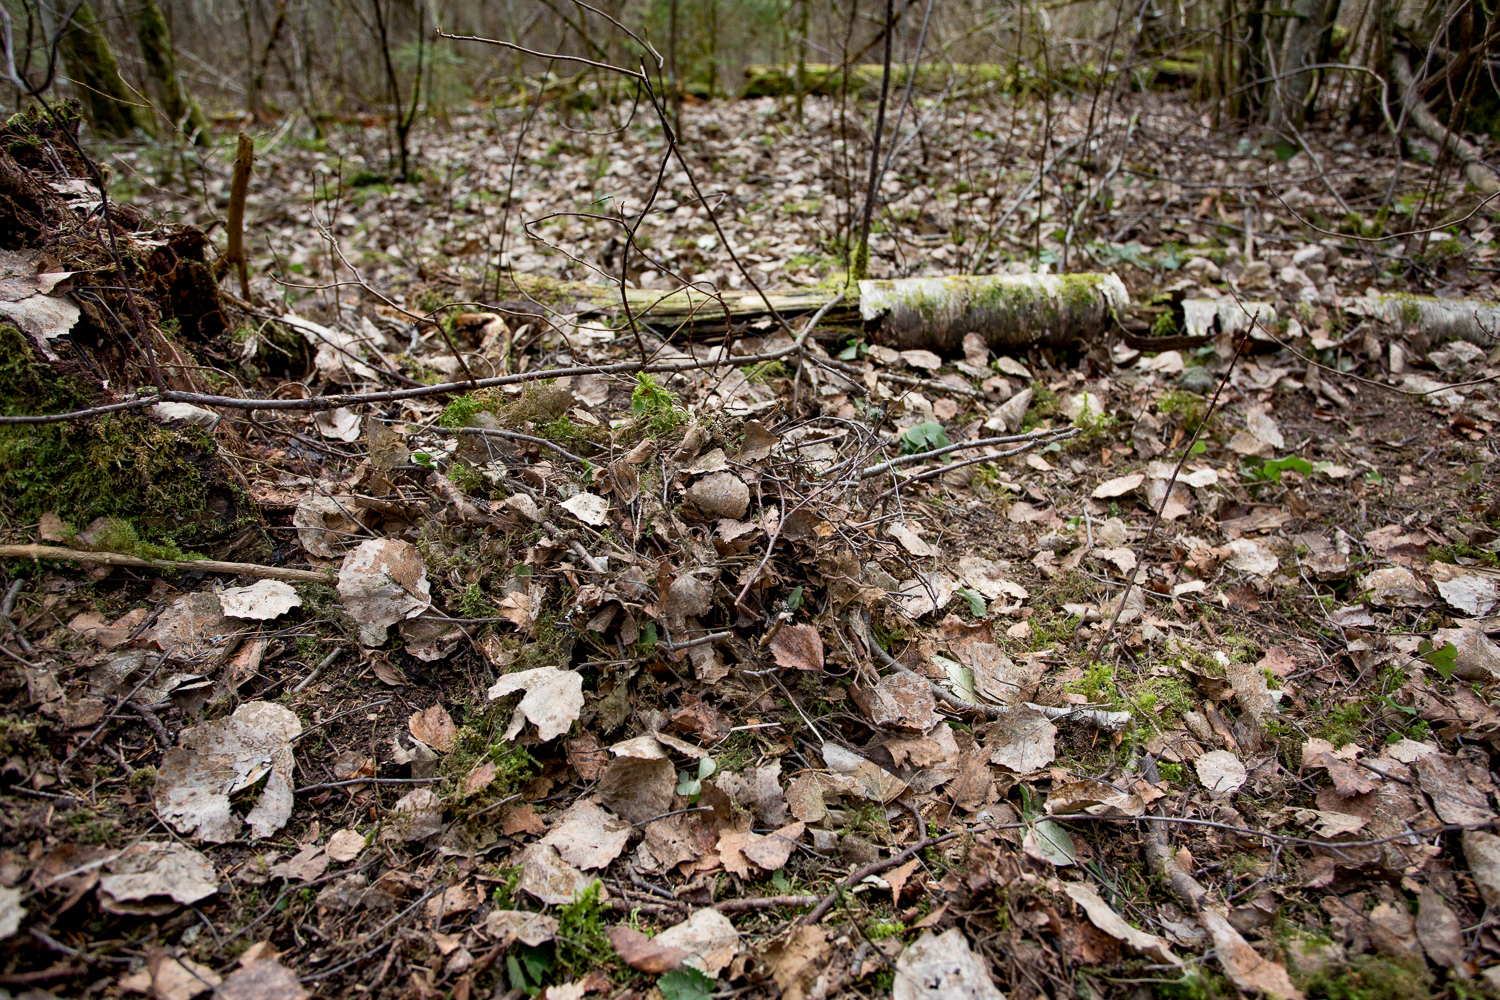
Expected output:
(181, 566)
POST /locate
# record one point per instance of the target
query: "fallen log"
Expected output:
(1474, 320)
(1010, 311)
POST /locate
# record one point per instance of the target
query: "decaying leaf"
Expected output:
(1244, 966)
(708, 938)
(1221, 772)
(154, 877)
(434, 727)
(262, 979)
(642, 953)
(552, 701)
(1023, 740)
(1102, 916)
(219, 758)
(798, 647)
(381, 582)
(260, 601)
(417, 815)
(942, 967)
(11, 912)
(588, 508)
(546, 876)
(172, 979)
(587, 836)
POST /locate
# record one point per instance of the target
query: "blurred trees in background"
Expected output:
(1271, 69)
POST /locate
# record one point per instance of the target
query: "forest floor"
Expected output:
(633, 686)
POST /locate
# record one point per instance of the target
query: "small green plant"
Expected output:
(1270, 472)
(654, 406)
(924, 437)
(767, 371)
(459, 412)
(1097, 684)
(686, 983)
(691, 784)
(881, 929)
(1171, 771)
(473, 603)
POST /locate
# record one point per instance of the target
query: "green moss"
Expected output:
(1462, 550)
(1171, 771)
(655, 408)
(1369, 977)
(460, 411)
(163, 481)
(1188, 408)
(582, 945)
(767, 371)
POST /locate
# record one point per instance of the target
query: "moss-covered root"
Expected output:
(1008, 311)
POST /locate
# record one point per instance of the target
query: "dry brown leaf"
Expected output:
(642, 953)
(261, 601)
(638, 790)
(381, 582)
(1102, 916)
(757, 788)
(798, 647)
(942, 967)
(772, 851)
(479, 778)
(345, 845)
(797, 961)
(710, 940)
(903, 702)
(435, 727)
(417, 815)
(1244, 966)
(1023, 740)
(156, 871)
(304, 866)
(263, 979)
(547, 877)
(553, 700)
(174, 979)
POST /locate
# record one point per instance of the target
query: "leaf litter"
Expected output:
(581, 699)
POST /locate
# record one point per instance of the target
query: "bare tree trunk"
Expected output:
(96, 74)
(1288, 99)
(161, 63)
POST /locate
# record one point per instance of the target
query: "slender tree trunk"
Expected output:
(674, 96)
(1287, 107)
(161, 63)
(861, 267)
(801, 56)
(96, 75)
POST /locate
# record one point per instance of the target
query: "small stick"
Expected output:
(180, 565)
(317, 670)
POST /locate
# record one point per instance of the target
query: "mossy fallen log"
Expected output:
(1009, 311)
(1474, 320)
